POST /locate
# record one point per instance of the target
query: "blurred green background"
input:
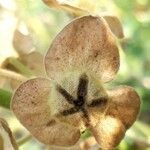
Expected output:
(27, 28)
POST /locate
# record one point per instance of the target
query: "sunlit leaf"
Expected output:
(66, 7)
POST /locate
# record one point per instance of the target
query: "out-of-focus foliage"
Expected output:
(5, 97)
(7, 140)
(27, 28)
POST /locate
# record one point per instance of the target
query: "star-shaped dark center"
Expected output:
(79, 103)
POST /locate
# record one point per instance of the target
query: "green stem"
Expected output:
(24, 140)
(20, 67)
(12, 75)
(86, 134)
(5, 98)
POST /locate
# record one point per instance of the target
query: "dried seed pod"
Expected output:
(31, 106)
(109, 132)
(71, 108)
(87, 44)
(124, 104)
(81, 58)
(74, 147)
(86, 144)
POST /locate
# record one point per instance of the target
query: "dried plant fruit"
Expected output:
(7, 141)
(74, 147)
(86, 44)
(86, 144)
(35, 114)
(82, 57)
